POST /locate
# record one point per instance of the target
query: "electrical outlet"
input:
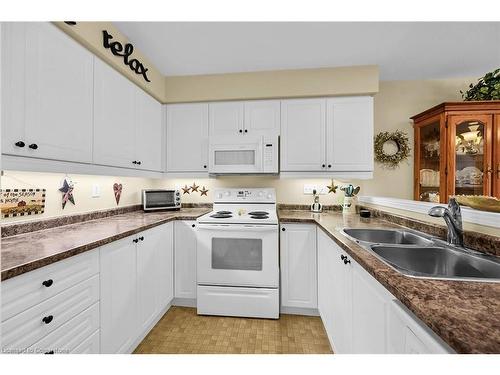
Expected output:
(96, 191)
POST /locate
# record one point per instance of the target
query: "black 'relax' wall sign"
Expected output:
(118, 49)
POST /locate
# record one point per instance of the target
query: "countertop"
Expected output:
(29, 251)
(466, 315)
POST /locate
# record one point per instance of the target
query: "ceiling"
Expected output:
(411, 50)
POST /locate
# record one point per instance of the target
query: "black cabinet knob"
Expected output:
(134, 162)
(329, 165)
(20, 144)
(141, 238)
(48, 283)
(33, 146)
(205, 166)
(47, 319)
(323, 165)
(342, 257)
(241, 131)
(193, 225)
(49, 352)
(346, 260)
(282, 229)
(135, 240)
(138, 163)
(246, 130)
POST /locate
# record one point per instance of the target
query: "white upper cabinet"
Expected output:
(303, 124)
(47, 92)
(262, 117)
(149, 132)
(226, 118)
(298, 266)
(187, 137)
(349, 133)
(127, 122)
(114, 117)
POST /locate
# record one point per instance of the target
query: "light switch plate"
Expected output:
(320, 189)
(96, 191)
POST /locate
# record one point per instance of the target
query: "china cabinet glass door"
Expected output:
(470, 155)
(431, 161)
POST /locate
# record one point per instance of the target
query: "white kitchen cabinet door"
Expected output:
(49, 78)
(163, 239)
(349, 134)
(187, 137)
(118, 296)
(114, 117)
(298, 266)
(185, 259)
(262, 117)
(303, 135)
(226, 118)
(369, 311)
(148, 285)
(148, 132)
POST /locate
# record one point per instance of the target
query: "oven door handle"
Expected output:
(239, 227)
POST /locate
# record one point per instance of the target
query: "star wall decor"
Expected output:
(117, 189)
(332, 188)
(203, 191)
(185, 189)
(194, 187)
(67, 190)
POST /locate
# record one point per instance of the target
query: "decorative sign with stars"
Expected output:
(67, 190)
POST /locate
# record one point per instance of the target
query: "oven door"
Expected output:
(228, 155)
(238, 255)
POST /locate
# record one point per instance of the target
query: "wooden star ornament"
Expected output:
(67, 190)
(203, 191)
(185, 189)
(332, 188)
(194, 187)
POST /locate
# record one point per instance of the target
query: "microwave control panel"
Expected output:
(270, 156)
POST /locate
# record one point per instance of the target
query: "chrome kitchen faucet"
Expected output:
(453, 218)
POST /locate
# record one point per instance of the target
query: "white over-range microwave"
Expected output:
(243, 155)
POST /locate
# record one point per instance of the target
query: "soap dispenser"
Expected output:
(316, 206)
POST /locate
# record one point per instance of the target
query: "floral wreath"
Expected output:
(402, 142)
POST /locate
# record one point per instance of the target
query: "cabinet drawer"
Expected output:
(25, 291)
(68, 337)
(27, 328)
(91, 345)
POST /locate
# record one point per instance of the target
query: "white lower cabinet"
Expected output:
(360, 315)
(136, 286)
(185, 260)
(298, 266)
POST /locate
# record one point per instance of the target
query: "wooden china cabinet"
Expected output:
(457, 150)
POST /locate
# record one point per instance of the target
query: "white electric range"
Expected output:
(238, 255)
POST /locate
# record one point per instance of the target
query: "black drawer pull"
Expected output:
(282, 229)
(346, 260)
(47, 319)
(138, 163)
(33, 146)
(49, 352)
(342, 257)
(20, 144)
(241, 131)
(141, 238)
(135, 240)
(323, 165)
(246, 130)
(205, 166)
(48, 283)
(329, 165)
(193, 225)
(134, 162)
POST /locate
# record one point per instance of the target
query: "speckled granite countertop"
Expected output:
(466, 315)
(29, 251)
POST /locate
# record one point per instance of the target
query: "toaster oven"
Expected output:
(161, 199)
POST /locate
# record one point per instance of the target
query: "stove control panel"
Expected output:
(258, 195)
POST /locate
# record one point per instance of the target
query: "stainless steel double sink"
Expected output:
(418, 255)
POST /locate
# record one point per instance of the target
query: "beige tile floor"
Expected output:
(181, 331)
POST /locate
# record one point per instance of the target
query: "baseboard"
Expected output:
(299, 311)
(141, 337)
(184, 302)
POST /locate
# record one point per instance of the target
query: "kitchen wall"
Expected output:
(394, 104)
(82, 192)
